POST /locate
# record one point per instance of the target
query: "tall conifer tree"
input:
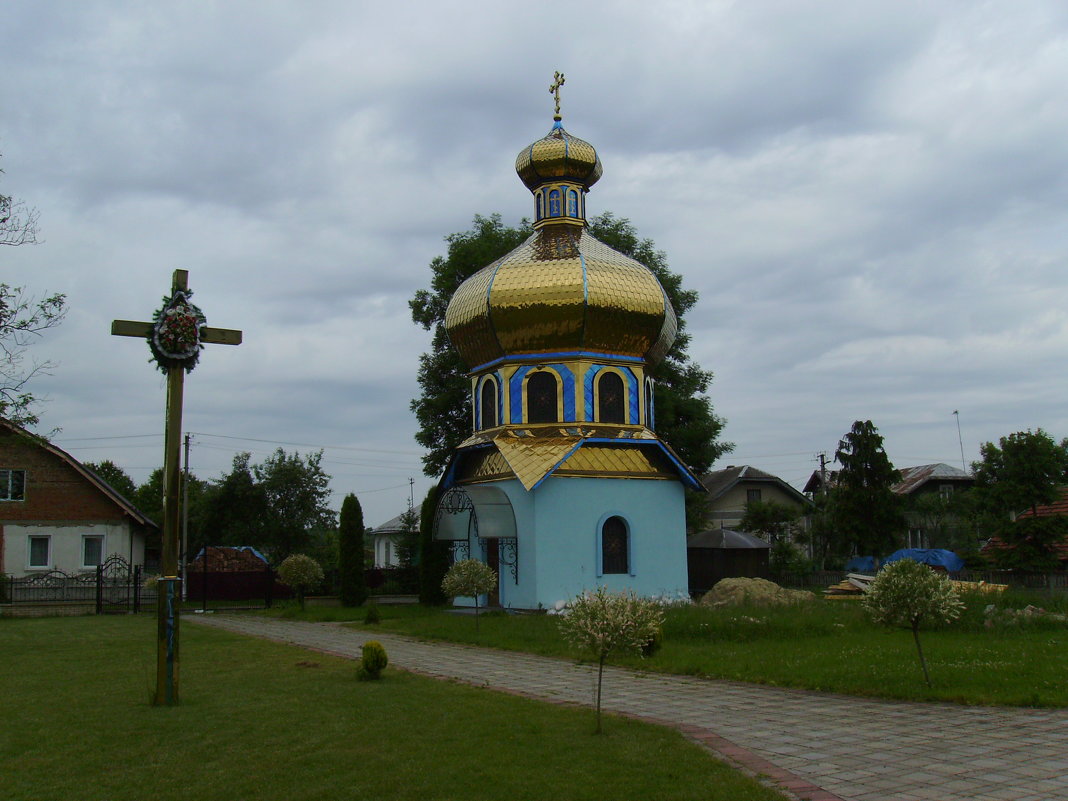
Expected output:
(353, 585)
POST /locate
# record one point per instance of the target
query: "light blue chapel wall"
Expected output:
(567, 513)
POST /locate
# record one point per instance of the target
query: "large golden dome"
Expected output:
(561, 291)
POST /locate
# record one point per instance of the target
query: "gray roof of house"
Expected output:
(912, 478)
(725, 538)
(719, 482)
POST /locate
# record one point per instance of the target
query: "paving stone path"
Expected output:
(814, 746)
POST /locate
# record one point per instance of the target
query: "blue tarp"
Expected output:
(861, 564)
(938, 557)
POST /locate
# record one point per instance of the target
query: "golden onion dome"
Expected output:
(558, 156)
(561, 292)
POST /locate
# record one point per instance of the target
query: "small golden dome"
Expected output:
(558, 156)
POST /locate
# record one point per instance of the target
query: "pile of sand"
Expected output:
(758, 591)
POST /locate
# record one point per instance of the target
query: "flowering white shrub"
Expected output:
(602, 623)
(469, 577)
(300, 572)
(907, 594)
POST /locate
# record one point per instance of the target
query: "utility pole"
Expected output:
(411, 492)
(960, 439)
(823, 473)
(184, 558)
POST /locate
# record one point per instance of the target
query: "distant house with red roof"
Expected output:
(1057, 508)
(56, 514)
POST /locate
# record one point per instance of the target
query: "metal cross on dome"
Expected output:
(554, 89)
(167, 587)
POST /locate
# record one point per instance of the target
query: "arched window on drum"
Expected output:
(542, 398)
(488, 403)
(611, 398)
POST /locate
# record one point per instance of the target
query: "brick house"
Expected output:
(56, 514)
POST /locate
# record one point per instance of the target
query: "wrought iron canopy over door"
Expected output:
(484, 511)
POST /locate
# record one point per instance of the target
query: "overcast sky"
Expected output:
(870, 198)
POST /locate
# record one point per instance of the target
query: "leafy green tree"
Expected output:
(603, 623)
(353, 583)
(771, 520)
(23, 320)
(296, 490)
(234, 508)
(117, 478)
(908, 594)
(684, 415)
(1023, 471)
(469, 578)
(301, 573)
(433, 554)
(867, 514)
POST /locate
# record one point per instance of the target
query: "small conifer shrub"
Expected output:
(374, 661)
(373, 615)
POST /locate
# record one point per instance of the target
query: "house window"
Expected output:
(610, 398)
(945, 490)
(40, 552)
(489, 403)
(12, 485)
(615, 546)
(542, 405)
(752, 495)
(92, 550)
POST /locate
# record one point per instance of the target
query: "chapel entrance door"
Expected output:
(493, 559)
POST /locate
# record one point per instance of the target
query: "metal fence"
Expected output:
(114, 587)
(1055, 582)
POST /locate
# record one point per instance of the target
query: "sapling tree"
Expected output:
(603, 623)
(469, 577)
(908, 594)
(300, 572)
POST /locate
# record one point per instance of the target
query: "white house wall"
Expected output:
(66, 545)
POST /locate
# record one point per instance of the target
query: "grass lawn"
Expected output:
(824, 645)
(266, 721)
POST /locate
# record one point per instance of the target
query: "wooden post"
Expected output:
(169, 592)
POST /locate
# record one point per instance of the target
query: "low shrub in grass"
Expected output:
(373, 661)
(373, 616)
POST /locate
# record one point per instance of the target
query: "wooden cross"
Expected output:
(168, 595)
(554, 89)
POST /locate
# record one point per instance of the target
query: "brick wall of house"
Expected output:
(55, 491)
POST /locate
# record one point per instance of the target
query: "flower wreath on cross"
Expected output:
(177, 328)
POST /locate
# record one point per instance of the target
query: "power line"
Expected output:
(308, 444)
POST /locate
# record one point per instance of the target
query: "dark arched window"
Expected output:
(554, 203)
(539, 206)
(615, 556)
(489, 403)
(542, 406)
(610, 398)
(649, 420)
